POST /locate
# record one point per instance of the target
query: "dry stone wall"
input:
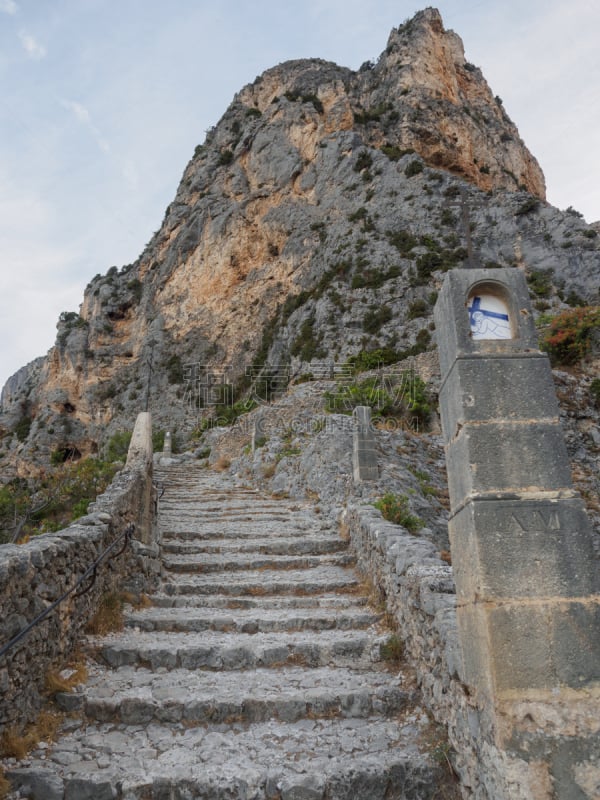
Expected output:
(35, 574)
(419, 592)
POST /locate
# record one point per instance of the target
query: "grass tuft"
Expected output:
(109, 616)
(17, 745)
(392, 651)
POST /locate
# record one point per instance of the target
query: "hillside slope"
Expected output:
(315, 222)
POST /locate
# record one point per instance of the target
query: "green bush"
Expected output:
(227, 414)
(527, 206)
(403, 241)
(413, 168)
(23, 427)
(174, 368)
(395, 153)
(595, 391)
(372, 359)
(306, 345)
(419, 308)
(158, 441)
(394, 508)
(375, 318)
(363, 161)
(540, 282)
(117, 446)
(374, 278)
(402, 395)
(225, 157)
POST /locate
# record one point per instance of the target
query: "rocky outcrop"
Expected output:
(314, 222)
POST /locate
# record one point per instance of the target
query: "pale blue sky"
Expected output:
(103, 101)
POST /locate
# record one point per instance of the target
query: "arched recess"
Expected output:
(490, 312)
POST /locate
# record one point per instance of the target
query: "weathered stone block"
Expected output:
(506, 457)
(519, 647)
(364, 455)
(505, 388)
(523, 548)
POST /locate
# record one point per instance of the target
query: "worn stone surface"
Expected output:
(243, 698)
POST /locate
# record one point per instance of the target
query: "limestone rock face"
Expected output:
(314, 222)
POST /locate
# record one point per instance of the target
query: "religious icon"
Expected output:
(488, 317)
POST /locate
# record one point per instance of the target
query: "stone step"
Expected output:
(306, 581)
(196, 522)
(218, 601)
(215, 562)
(250, 509)
(209, 531)
(340, 759)
(281, 545)
(236, 651)
(139, 696)
(251, 620)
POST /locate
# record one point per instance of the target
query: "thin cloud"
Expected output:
(32, 47)
(83, 116)
(8, 6)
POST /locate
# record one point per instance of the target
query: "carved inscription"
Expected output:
(529, 520)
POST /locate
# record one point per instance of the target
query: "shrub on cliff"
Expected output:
(570, 335)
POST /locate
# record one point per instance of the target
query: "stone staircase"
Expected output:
(256, 673)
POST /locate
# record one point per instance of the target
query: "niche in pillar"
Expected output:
(489, 314)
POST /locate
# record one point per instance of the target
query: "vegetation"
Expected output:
(52, 501)
(174, 367)
(23, 427)
(109, 617)
(403, 241)
(413, 168)
(117, 446)
(595, 391)
(395, 153)
(375, 318)
(373, 114)
(374, 278)
(293, 96)
(402, 396)
(227, 413)
(540, 282)
(569, 336)
(225, 157)
(394, 508)
(14, 744)
(392, 650)
(306, 345)
(529, 205)
(364, 161)
(418, 308)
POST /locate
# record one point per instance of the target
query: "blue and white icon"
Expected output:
(488, 317)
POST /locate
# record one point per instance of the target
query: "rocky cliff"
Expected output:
(315, 222)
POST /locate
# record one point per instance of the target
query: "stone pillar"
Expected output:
(139, 457)
(527, 579)
(364, 456)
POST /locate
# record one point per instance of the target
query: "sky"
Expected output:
(102, 103)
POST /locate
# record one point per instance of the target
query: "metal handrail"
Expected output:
(90, 572)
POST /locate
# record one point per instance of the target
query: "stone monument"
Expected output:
(527, 578)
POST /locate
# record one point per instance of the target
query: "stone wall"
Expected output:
(35, 574)
(420, 596)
